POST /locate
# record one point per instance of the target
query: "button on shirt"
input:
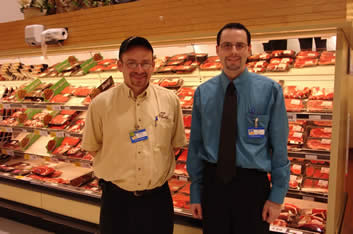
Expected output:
(113, 115)
(258, 98)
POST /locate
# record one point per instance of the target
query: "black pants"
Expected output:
(124, 213)
(235, 208)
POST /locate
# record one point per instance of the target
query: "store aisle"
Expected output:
(8, 226)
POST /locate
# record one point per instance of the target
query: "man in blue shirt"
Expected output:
(246, 203)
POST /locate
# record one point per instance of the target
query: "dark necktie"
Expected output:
(226, 153)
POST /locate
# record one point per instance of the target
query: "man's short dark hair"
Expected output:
(132, 42)
(234, 26)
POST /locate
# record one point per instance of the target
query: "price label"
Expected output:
(292, 117)
(54, 184)
(177, 209)
(9, 130)
(325, 170)
(67, 134)
(60, 134)
(25, 178)
(49, 107)
(6, 106)
(183, 178)
(24, 106)
(47, 159)
(43, 133)
(311, 157)
(88, 191)
(278, 229)
(53, 134)
(295, 102)
(56, 107)
(23, 130)
(26, 156)
(314, 117)
(10, 152)
(308, 198)
(78, 164)
(36, 132)
(295, 232)
(19, 177)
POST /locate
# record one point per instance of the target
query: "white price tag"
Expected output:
(297, 128)
(6, 174)
(327, 130)
(56, 107)
(6, 106)
(183, 178)
(325, 170)
(298, 135)
(323, 183)
(54, 184)
(297, 167)
(187, 98)
(293, 178)
(66, 107)
(24, 106)
(315, 117)
(326, 103)
(308, 198)
(278, 229)
(326, 141)
(88, 191)
(292, 117)
(177, 209)
(295, 232)
(60, 134)
(311, 157)
(295, 102)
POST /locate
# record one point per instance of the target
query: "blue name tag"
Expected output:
(256, 132)
(138, 135)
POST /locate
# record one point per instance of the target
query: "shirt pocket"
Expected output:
(262, 122)
(163, 131)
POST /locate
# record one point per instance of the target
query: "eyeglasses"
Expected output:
(133, 65)
(229, 46)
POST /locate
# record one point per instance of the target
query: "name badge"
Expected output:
(138, 135)
(256, 132)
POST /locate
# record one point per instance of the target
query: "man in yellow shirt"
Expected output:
(132, 130)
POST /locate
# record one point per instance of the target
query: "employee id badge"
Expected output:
(138, 135)
(256, 132)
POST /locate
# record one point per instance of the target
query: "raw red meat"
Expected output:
(278, 67)
(279, 223)
(295, 138)
(62, 149)
(183, 156)
(77, 126)
(295, 127)
(327, 58)
(175, 184)
(211, 66)
(292, 209)
(319, 106)
(296, 169)
(321, 132)
(187, 121)
(68, 112)
(283, 53)
(97, 68)
(300, 63)
(59, 120)
(88, 157)
(318, 93)
(323, 144)
(265, 56)
(72, 141)
(309, 171)
(308, 55)
(186, 189)
(251, 64)
(261, 64)
(294, 105)
(323, 123)
(43, 170)
(180, 169)
(293, 91)
(82, 91)
(107, 62)
(68, 90)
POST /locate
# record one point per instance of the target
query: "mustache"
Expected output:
(144, 74)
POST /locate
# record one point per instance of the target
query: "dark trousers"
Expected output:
(124, 213)
(234, 208)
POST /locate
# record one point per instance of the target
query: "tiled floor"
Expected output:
(11, 227)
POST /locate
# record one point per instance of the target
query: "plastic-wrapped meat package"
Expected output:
(257, 69)
(180, 200)
(292, 209)
(279, 223)
(295, 127)
(319, 144)
(318, 93)
(180, 169)
(261, 64)
(308, 55)
(88, 157)
(296, 169)
(187, 121)
(323, 123)
(186, 189)
(60, 98)
(43, 170)
(296, 138)
(187, 134)
(307, 62)
(295, 181)
(319, 132)
(277, 61)
(175, 184)
(186, 102)
(183, 156)
(327, 58)
(254, 57)
(250, 64)
(59, 119)
(210, 66)
(311, 223)
(185, 69)
(295, 92)
(283, 53)
(319, 106)
(77, 126)
(282, 67)
(68, 90)
(315, 185)
(295, 105)
(166, 69)
(176, 82)
(317, 171)
(82, 91)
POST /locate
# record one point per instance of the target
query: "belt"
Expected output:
(240, 171)
(138, 193)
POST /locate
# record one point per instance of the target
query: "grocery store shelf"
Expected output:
(40, 131)
(182, 212)
(310, 154)
(289, 230)
(48, 106)
(293, 116)
(307, 196)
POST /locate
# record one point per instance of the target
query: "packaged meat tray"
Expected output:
(319, 144)
(180, 169)
(294, 105)
(296, 138)
(327, 123)
(317, 171)
(277, 61)
(319, 106)
(210, 66)
(327, 58)
(181, 201)
(175, 184)
(320, 132)
(308, 55)
(171, 83)
(283, 53)
(183, 156)
(295, 181)
(277, 67)
(187, 121)
(315, 185)
(307, 62)
(166, 69)
(295, 127)
(318, 93)
(257, 69)
(312, 223)
(295, 92)
(296, 169)
(186, 189)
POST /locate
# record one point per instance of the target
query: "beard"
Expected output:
(139, 79)
(233, 64)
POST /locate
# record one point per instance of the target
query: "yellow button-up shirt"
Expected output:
(113, 115)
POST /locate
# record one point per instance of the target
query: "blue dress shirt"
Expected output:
(258, 98)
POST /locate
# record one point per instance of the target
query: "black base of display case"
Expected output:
(44, 219)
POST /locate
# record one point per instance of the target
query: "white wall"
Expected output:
(10, 11)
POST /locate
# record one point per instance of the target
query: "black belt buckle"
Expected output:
(138, 193)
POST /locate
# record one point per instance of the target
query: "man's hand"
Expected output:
(271, 211)
(196, 210)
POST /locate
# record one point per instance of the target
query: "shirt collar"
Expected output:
(225, 81)
(130, 94)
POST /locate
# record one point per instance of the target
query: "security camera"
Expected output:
(55, 35)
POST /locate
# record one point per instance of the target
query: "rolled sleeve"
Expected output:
(280, 165)
(92, 132)
(194, 162)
